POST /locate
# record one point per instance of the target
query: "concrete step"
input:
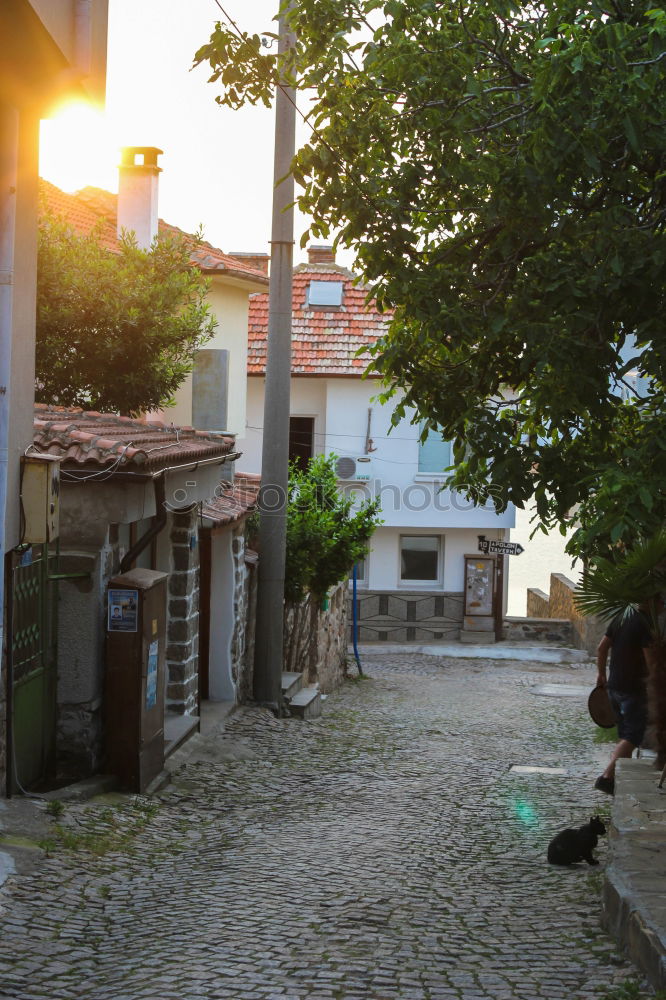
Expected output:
(461, 650)
(480, 623)
(478, 637)
(306, 703)
(291, 684)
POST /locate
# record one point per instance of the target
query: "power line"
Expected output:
(243, 37)
(362, 437)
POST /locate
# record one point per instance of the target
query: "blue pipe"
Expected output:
(355, 622)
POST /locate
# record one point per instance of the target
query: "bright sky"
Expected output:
(217, 164)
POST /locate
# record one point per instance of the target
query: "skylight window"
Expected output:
(325, 293)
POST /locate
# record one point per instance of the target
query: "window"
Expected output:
(325, 293)
(434, 452)
(419, 558)
(301, 440)
(360, 572)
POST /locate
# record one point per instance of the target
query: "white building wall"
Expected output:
(230, 305)
(412, 504)
(340, 407)
(249, 442)
(543, 555)
(409, 499)
(308, 399)
(383, 564)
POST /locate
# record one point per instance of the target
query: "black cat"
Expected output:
(571, 846)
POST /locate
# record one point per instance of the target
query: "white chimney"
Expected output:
(137, 193)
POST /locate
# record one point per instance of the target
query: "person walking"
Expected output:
(628, 639)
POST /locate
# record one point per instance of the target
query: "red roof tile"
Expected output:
(233, 501)
(324, 339)
(106, 440)
(91, 206)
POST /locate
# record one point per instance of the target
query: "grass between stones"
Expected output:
(102, 830)
(632, 990)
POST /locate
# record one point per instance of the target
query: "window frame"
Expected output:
(325, 305)
(361, 583)
(313, 424)
(434, 584)
(432, 474)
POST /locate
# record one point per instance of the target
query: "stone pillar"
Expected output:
(183, 615)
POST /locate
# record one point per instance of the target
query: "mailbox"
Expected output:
(135, 677)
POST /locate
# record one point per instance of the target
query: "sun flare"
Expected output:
(77, 149)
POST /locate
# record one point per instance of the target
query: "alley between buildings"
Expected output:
(386, 851)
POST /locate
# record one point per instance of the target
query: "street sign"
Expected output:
(500, 548)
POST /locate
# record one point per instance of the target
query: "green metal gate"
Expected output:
(33, 670)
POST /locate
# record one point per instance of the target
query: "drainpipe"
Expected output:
(160, 521)
(9, 121)
(355, 620)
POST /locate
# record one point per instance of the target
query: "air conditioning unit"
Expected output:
(353, 469)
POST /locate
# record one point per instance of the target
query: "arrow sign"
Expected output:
(500, 548)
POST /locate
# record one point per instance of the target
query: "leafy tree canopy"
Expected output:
(115, 331)
(325, 534)
(499, 169)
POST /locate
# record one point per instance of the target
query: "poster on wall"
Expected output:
(151, 676)
(479, 587)
(122, 610)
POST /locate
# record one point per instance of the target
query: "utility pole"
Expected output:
(268, 659)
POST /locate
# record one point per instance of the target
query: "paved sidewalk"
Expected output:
(634, 896)
(387, 851)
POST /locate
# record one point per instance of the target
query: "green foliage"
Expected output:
(637, 577)
(631, 989)
(499, 170)
(325, 536)
(116, 331)
(55, 808)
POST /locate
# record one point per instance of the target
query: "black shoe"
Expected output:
(606, 785)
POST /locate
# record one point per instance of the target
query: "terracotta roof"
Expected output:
(105, 440)
(233, 501)
(91, 205)
(324, 339)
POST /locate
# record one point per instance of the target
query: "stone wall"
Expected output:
(326, 659)
(537, 603)
(182, 652)
(586, 630)
(332, 640)
(407, 616)
(538, 630)
(245, 596)
(246, 677)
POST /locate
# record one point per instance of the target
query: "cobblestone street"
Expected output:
(384, 851)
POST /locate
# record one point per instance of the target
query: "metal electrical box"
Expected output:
(480, 588)
(135, 677)
(40, 498)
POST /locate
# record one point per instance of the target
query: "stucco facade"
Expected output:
(228, 301)
(413, 505)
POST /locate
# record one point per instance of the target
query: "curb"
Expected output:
(498, 651)
(634, 891)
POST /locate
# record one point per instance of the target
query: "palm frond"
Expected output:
(617, 588)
